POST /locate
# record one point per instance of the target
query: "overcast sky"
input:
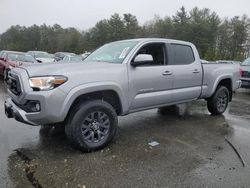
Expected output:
(83, 14)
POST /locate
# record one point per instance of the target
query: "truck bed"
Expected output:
(214, 72)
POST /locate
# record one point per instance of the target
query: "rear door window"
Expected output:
(182, 54)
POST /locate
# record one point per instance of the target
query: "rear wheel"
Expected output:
(218, 103)
(91, 125)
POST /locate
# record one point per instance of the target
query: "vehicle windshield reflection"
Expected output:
(114, 52)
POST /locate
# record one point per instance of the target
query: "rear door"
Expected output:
(187, 72)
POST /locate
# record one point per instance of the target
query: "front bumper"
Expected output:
(50, 102)
(13, 111)
(245, 83)
(51, 107)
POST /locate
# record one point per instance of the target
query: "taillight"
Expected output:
(241, 72)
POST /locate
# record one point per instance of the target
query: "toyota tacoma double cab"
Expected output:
(117, 79)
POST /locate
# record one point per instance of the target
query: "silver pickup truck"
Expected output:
(117, 79)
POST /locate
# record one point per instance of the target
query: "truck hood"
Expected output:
(67, 69)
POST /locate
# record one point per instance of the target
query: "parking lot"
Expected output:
(193, 151)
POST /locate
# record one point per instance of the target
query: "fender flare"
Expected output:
(90, 88)
(219, 79)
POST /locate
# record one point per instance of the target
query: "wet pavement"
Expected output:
(192, 151)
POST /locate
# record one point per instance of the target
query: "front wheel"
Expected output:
(218, 103)
(91, 125)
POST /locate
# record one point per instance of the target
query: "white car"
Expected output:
(72, 58)
(41, 56)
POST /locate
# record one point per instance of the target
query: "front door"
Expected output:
(150, 85)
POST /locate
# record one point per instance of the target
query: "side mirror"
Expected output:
(142, 59)
(2, 59)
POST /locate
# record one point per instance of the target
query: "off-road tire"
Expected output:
(218, 103)
(80, 121)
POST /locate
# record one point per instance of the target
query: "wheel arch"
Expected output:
(109, 93)
(226, 82)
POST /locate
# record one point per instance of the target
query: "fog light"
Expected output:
(35, 107)
(32, 106)
(38, 108)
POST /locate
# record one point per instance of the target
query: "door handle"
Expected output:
(166, 73)
(196, 71)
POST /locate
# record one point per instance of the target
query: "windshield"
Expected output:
(246, 62)
(25, 58)
(113, 52)
(76, 58)
(41, 55)
(12, 56)
(63, 54)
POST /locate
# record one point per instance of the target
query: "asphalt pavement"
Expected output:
(194, 149)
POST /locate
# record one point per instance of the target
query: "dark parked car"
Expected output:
(245, 74)
(60, 55)
(11, 59)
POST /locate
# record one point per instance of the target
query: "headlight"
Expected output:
(46, 83)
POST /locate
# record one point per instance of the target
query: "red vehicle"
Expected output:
(1, 65)
(11, 59)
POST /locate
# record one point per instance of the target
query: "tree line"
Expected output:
(215, 38)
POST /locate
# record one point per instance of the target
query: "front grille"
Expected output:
(13, 83)
(245, 74)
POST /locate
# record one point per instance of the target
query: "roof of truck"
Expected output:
(158, 40)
